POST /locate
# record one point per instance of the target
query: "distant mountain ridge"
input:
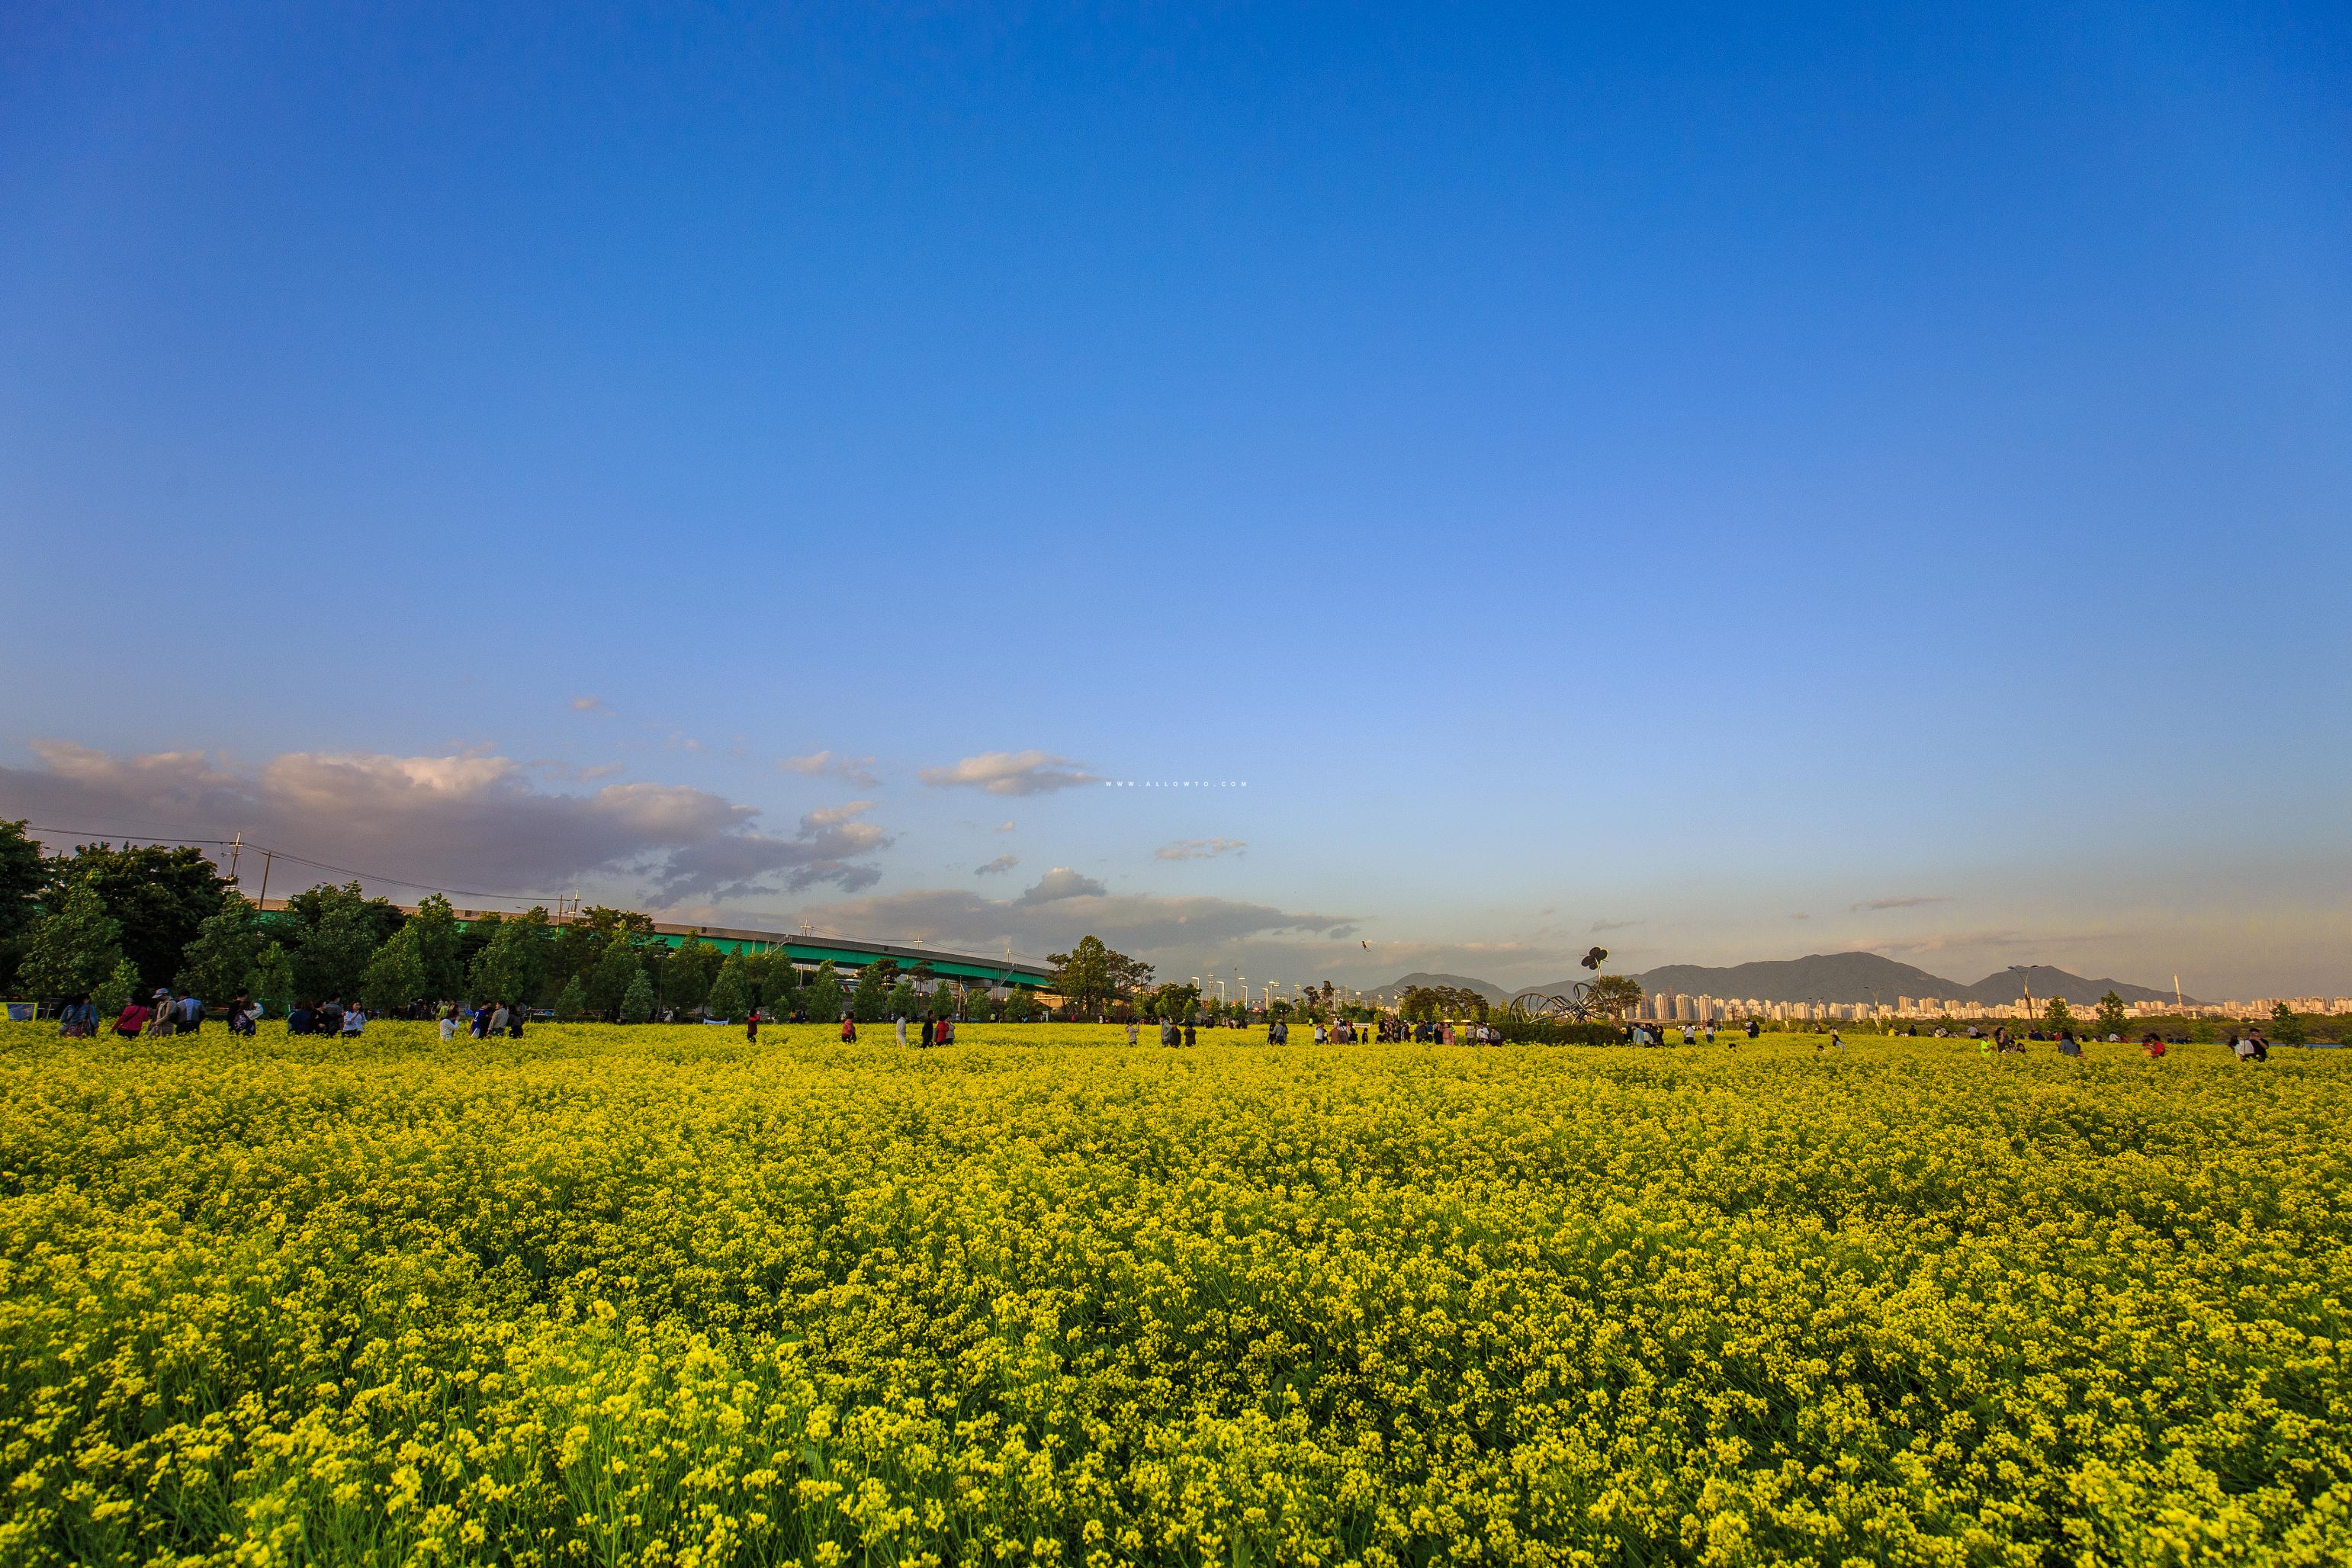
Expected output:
(1854, 976)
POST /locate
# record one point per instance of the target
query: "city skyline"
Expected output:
(1435, 491)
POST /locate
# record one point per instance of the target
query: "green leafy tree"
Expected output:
(1091, 976)
(944, 999)
(395, 975)
(21, 875)
(730, 994)
(1019, 1008)
(512, 967)
(2286, 1028)
(979, 1006)
(904, 1004)
(114, 991)
(2111, 1018)
(608, 982)
(337, 931)
(688, 973)
(73, 948)
(2057, 1015)
(441, 977)
(158, 896)
(271, 982)
(572, 1001)
(1613, 995)
(217, 961)
(637, 1005)
(822, 1001)
(783, 989)
(870, 1002)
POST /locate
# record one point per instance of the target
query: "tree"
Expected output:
(337, 931)
(944, 999)
(440, 976)
(572, 1001)
(156, 895)
(1017, 1005)
(821, 999)
(271, 982)
(74, 948)
(395, 975)
(904, 1004)
(2057, 1015)
(512, 967)
(21, 874)
(115, 991)
(978, 1005)
(870, 1002)
(730, 994)
(1082, 975)
(637, 1003)
(215, 965)
(687, 974)
(608, 982)
(784, 988)
(2285, 1028)
(1613, 995)
(2111, 1019)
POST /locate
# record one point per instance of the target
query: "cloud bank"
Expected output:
(470, 822)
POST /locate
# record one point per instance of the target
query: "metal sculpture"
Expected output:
(1575, 1004)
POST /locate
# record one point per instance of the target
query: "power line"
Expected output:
(297, 859)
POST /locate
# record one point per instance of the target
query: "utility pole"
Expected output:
(266, 856)
(236, 847)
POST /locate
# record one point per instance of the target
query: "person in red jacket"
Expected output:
(848, 1029)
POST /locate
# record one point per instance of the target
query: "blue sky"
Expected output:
(1655, 476)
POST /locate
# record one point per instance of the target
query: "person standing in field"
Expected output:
(1189, 1038)
(849, 1030)
(751, 1028)
(498, 1023)
(945, 1034)
(448, 1022)
(133, 1019)
(1131, 1031)
(899, 1024)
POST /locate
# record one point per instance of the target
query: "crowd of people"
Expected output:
(164, 1013)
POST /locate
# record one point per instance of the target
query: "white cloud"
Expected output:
(1011, 773)
(1061, 882)
(1912, 902)
(1005, 826)
(1199, 848)
(467, 822)
(586, 704)
(858, 771)
(998, 867)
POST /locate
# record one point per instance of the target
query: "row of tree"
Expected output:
(113, 922)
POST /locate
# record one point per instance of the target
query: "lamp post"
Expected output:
(2025, 983)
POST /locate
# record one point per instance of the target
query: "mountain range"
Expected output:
(1836, 978)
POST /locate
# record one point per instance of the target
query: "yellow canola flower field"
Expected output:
(612, 1295)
